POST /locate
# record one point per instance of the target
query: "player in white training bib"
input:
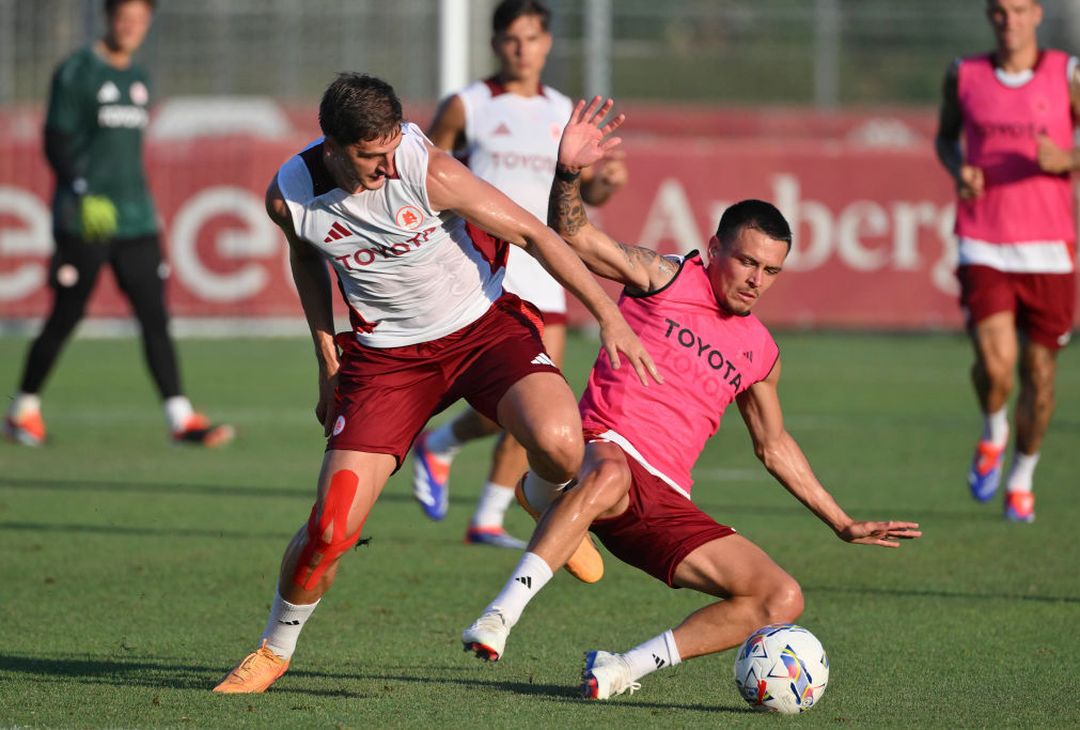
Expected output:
(417, 244)
(506, 128)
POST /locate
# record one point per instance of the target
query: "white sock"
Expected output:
(177, 412)
(24, 403)
(540, 493)
(996, 427)
(530, 575)
(1022, 472)
(491, 508)
(284, 625)
(443, 443)
(658, 652)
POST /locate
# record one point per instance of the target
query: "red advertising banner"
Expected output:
(872, 211)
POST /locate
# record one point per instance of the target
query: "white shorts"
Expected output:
(531, 281)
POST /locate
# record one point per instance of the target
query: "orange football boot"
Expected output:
(199, 431)
(586, 564)
(260, 669)
(27, 429)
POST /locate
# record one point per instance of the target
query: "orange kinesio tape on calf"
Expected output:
(318, 555)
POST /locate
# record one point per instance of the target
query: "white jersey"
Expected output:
(409, 274)
(512, 142)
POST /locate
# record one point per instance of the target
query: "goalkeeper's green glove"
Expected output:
(98, 215)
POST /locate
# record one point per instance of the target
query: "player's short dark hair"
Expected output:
(112, 5)
(756, 214)
(359, 108)
(510, 10)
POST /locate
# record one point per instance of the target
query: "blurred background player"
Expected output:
(102, 213)
(1015, 108)
(506, 129)
(634, 487)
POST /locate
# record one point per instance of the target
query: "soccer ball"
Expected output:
(781, 668)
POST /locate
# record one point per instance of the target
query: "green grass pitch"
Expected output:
(134, 573)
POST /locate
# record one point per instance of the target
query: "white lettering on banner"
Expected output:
(866, 235)
(943, 274)
(258, 240)
(32, 240)
(859, 218)
(807, 252)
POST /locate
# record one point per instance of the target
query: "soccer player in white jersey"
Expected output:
(418, 245)
(506, 129)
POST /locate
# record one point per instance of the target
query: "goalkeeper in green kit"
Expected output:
(103, 214)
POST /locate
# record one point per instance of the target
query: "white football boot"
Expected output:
(487, 636)
(606, 675)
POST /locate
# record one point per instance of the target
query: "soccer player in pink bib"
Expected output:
(1014, 109)
(634, 489)
(418, 245)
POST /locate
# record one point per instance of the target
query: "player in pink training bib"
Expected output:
(633, 491)
(1015, 109)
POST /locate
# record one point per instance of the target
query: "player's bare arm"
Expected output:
(781, 455)
(447, 131)
(1051, 157)
(635, 267)
(452, 187)
(969, 179)
(313, 287)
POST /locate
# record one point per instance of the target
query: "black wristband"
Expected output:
(565, 175)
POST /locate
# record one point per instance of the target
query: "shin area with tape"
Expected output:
(327, 539)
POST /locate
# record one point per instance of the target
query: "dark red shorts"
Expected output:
(659, 528)
(386, 395)
(1042, 303)
(554, 318)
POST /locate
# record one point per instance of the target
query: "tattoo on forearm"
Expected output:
(645, 257)
(566, 209)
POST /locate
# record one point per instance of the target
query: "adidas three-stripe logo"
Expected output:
(543, 359)
(337, 232)
(659, 662)
(525, 580)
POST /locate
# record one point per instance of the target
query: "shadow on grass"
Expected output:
(128, 531)
(930, 593)
(196, 490)
(141, 672)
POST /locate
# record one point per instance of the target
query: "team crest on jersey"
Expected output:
(139, 94)
(339, 425)
(108, 93)
(409, 217)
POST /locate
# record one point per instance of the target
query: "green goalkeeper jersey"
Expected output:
(103, 111)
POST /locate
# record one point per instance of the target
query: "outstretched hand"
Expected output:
(885, 534)
(585, 139)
